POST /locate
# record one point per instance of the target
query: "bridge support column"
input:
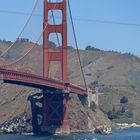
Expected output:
(65, 123)
(55, 105)
(55, 118)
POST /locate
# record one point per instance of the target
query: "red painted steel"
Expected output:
(31, 80)
(60, 110)
(62, 29)
(54, 101)
(55, 92)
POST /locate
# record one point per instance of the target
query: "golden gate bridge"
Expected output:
(55, 92)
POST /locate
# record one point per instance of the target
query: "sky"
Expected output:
(99, 23)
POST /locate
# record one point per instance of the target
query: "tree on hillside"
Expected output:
(94, 83)
(89, 47)
(124, 100)
(93, 106)
(122, 109)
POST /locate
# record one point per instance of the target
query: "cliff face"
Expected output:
(21, 111)
(104, 69)
(83, 118)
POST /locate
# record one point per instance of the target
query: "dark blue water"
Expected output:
(128, 134)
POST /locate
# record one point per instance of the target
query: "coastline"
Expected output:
(126, 125)
(103, 129)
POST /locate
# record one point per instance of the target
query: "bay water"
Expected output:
(125, 134)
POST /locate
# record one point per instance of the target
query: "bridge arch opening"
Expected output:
(54, 17)
(55, 40)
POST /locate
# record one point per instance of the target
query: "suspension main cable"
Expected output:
(23, 29)
(19, 59)
(77, 50)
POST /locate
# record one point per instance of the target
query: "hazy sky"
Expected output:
(92, 30)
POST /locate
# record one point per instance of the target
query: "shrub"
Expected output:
(124, 100)
(112, 115)
(89, 74)
(93, 106)
(94, 83)
(89, 47)
(122, 109)
(110, 67)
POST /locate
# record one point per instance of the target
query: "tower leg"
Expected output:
(55, 118)
(65, 123)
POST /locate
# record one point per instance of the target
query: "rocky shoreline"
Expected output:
(17, 125)
(23, 125)
(20, 125)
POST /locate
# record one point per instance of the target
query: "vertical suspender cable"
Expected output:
(71, 18)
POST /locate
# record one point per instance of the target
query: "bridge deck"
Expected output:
(31, 80)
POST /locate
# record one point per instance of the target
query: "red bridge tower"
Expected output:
(55, 105)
